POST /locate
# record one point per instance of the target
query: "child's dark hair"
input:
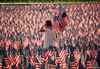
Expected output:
(48, 23)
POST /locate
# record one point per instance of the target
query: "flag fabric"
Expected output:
(52, 66)
(11, 60)
(89, 65)
(64, 66)
(55, 24)
(7, 45)
(16, 46)
(83, 63)
(60, 22)
(17, 58)
(7, 63)
(48, 54)
(73, 65)
(22, 66)
(31, 58)
(62, 54)
(94, 54)
(88, 52)
(92, 62)
(58, 60)
(77, 57)
(0, 65)
(63, 19)
(38, 65)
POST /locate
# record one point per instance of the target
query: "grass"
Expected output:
(45, 1)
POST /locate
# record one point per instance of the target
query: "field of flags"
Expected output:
(77, 45)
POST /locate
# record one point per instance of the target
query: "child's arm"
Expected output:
(41, 30)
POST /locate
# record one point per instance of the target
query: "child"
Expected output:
(49, 34)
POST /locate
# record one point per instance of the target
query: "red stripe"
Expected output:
(0, 65)
(22, 66)
(38, 66)
(52, 66)
(31, 58)
(73, 65)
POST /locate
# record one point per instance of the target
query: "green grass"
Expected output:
(45, 1)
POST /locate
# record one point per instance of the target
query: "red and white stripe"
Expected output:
(73, 65)
(46, 57)
(31, 58)
(42, 60)
(0, 65)
(63, 22)
(83, 63)
(95, 54)
(52, 66)
(7, 63)
(38, 59)
(64, 66)
(88, 52)
(61, 54)
(55, 25)
(58, 60)
(93, 62)
(89, 65)
(11, 60)
(50, 54)
(22, 66)
(77, 57)
(17, 60)
(38, 65)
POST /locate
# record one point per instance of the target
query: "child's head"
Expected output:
(48, 23)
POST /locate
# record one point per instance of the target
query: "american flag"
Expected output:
(63, 19)
(17, 60)
(64, 66)
(48, 54)
(73, 65)
(7, 45)
(16, 46)
(31, 58)
(60, 22)
(77, 57)
(58, 60)
(89, 65)
(38, 65)
(94, 54)
(88, 52)
(11, 60)
(22, 66)
(7, 63)
(83, 63)
(41, 60)
(55, 24)
(52, 66)
(62, 54)
(93, 62)
(0, 65)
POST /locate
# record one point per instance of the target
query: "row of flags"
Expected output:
(52, 58)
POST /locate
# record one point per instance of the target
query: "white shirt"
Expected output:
(48, 37)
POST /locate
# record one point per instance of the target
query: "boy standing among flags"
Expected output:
(49, 34)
